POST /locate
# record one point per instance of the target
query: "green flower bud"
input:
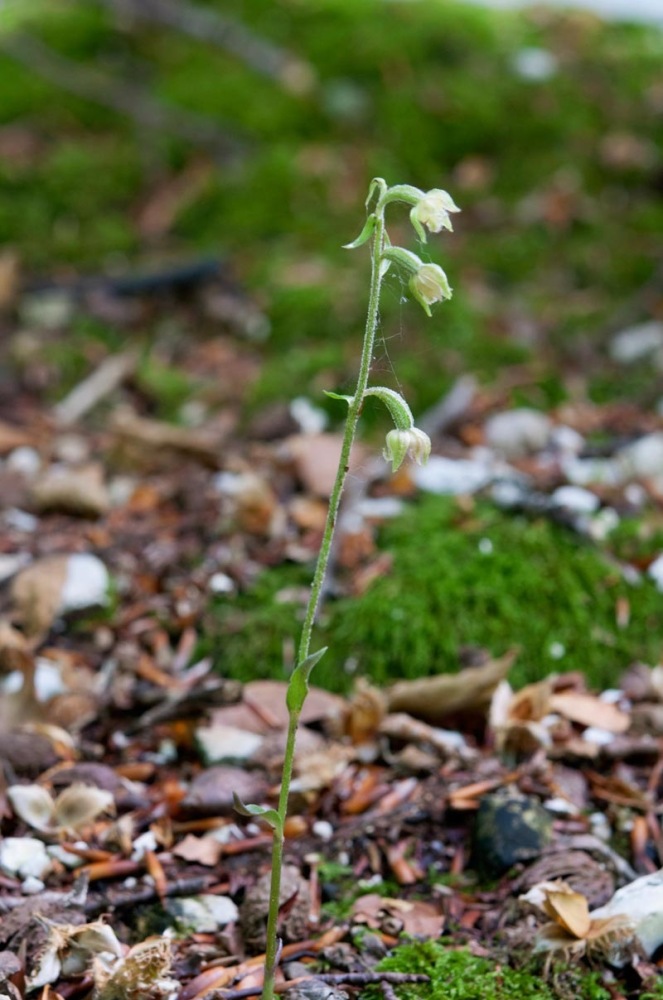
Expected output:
(429, 285)
(412, 442)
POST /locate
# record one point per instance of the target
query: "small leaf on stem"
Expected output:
(270, 816)
(298, 686)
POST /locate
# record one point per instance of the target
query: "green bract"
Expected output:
(400, 412)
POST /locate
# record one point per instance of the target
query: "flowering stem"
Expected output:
(354, 412)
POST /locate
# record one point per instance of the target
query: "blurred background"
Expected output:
(140, 136)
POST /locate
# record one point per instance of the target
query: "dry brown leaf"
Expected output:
(588, 710)
(268, 697)
(15, 650)
(365, 712)
(433, 699)
(395, 916)
(316, 457)
(36, 593)
(77, 491)
(567, 908)
(155, 442)
(201, 850)
(79, 805)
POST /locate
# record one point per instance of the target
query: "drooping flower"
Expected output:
(412, 442)
(428, 285)
(433, 211)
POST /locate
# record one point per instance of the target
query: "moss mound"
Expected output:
(481, 578)
(458, 975)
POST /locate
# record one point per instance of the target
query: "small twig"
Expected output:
(216, 28)
(120, 96)
(115, 897)
(360, 979)
(110, 374)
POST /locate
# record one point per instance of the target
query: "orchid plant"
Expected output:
(428, 284)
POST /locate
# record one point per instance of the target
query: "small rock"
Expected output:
(202, 914)
(575, 499)
(221, 583)
(644, 457)
(517, 433)
(641, 902)
(655, 571)
(447, 476)
(86, 583)
(309, 418)
(534, 64)
(79, 491)
(25, 461)
(583, 471)
(638, 342)
(49, 310)
(25, 857)
(225, 744)
(509, 829)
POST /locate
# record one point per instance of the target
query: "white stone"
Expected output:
(534, 64)
(24, 460)
(221, 583)
(599, 737)
(31, 886)
(644, 457)
(451, 476)
(575, 499)
(583, 471)
(86, 583)
(516, 433)
(567, 440)
(642, 903)
(10, 564)
(219, 744)
(20, 520)
(25, 857)
(145, 842)
(600, 525)
(637, 342)
(323, 829)
(311, 419)
(202, 914)
(655, 571)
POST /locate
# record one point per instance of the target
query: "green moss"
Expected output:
(165, 386)
(458, 975)
(541, 589)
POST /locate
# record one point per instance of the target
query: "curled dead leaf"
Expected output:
(79, 805)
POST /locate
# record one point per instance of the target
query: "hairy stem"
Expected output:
(354, 412)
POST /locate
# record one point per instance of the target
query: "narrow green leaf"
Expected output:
(365, 234)
(270, 816)
(298, 686)
(337, 395)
